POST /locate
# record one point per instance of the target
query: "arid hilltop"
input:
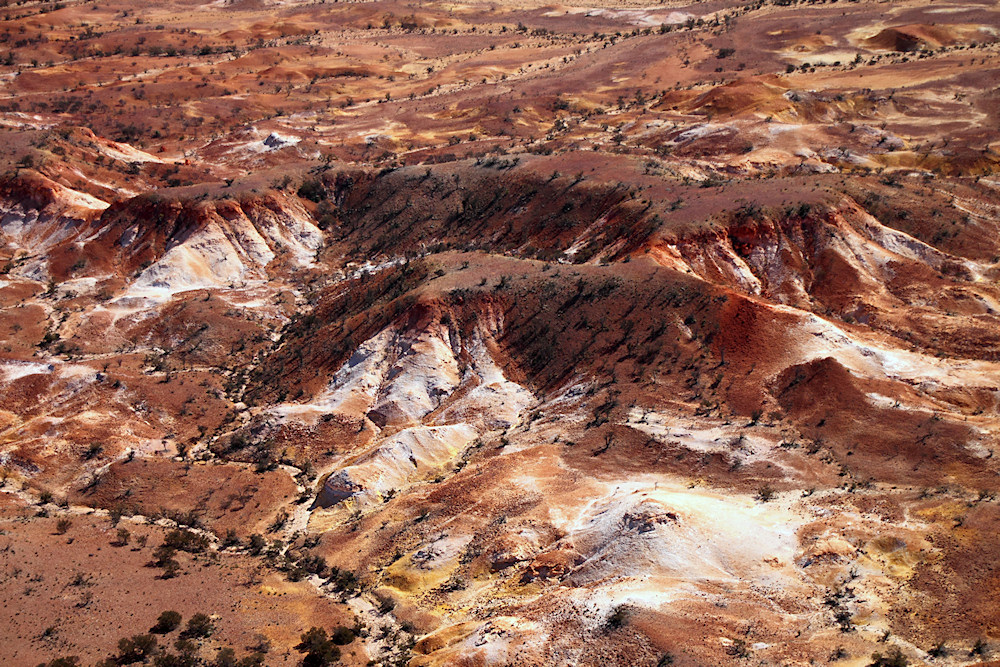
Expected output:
(478, 333)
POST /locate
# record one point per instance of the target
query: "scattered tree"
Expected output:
(318, 649)
(168, 621)
(199, 625)
(135, 649)
(342, 636)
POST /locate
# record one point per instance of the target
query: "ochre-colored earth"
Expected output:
(500, 333)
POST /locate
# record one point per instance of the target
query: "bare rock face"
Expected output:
(511, 549)
(411, 381)
(644, 520)
(229, 244)
(552, 565)
(918, 37)
(410, 455)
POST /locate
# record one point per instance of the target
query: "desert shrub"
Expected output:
(163, 557)
(189, 518)
(738, 649)
(938, 651)
(186, 647)
(343, 580)
(135, 649)
(226, 657)
(68, 661)
(312, 189)
(186, 540)
(63, 525)
(618, 618)
(313, 564)
(257, 544)
(252, 660)
(172, 660)
(318, 649)
(893, 659)
(199, 625)
(162, 554)
(342, 636)
(766, 493)
(168, 621)
(386, 604)
(279, 522)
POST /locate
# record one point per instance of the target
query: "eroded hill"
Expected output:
(501, 334)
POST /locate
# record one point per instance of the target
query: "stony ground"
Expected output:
(501, 334)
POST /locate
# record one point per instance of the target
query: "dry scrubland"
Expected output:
(500, 333)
